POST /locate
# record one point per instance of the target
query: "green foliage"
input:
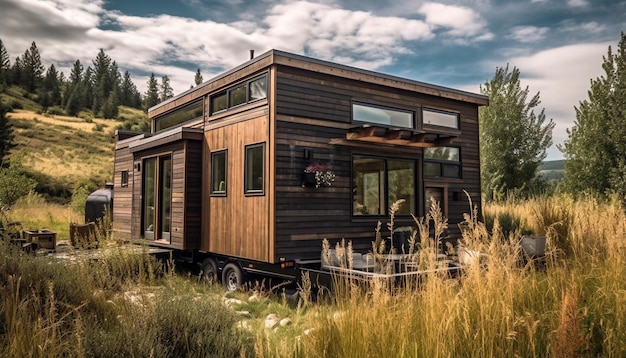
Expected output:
(6, 134)
(13, 183)
(595, 150)
(198, 78)
(152, 93)
(513, 138)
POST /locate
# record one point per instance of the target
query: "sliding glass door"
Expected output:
(157, 198)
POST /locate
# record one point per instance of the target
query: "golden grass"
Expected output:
(67, 121)
(64, 147)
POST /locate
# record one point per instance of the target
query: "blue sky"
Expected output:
(558, 45)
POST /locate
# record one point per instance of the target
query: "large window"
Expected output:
(254, 169)
(219, 172)
(442, 162)
(386, 116)
(440, 118)
(157, 198)
(379, 182)
(246, 92)
(178, 116)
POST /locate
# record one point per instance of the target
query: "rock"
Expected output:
(285, 322)
(243, 325)
(232, 301)
(243, 313)
(254, 298)
(271, 321)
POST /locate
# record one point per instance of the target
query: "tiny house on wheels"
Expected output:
(248, 172)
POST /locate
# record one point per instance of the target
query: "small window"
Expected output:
(382, 115)
(440, 118)
(255, 169)
(219, 102)
(442, 162)
(219, 172)
(124, 178)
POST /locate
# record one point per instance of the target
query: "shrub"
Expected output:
(56, 111)
(13, 183)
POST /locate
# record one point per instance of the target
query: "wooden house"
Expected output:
(223, 170)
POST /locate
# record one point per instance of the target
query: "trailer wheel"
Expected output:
(209, 271)
(232, 277)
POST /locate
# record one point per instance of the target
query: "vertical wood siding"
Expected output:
(237, 224)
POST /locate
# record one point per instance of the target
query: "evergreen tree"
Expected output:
(198, 78)
(595, 151)
(87, 88)
(110, 109)
(103, 83)
(76, 76)
(166, 89)
(152, 94)
(50, 94)
(5, 65)
(32, 68)
(129, 95)
(6, 134)
(16, 72)
(513, 138)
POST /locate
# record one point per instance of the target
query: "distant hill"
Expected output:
(552, 169)
(64, 152)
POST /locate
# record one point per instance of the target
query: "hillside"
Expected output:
(552, 169)
(63, 152)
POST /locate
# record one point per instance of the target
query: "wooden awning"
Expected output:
(403, 137)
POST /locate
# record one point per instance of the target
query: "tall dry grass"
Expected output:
(573, 306)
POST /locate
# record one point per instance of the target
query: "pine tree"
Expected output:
(32, 68)
(595, 151)
(5, 65)
(198, 78)
(513, 138)
(6, 134)
(129, 95)
(50, 94)
(16, 72)
(152, 94)
(110, 108)
(103, 83)
(166, 89)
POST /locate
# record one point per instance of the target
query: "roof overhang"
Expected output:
(167, 137)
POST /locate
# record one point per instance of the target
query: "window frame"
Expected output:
(227, 92)
(386, 108)
(439, 126)
(246, 190)
(124, 178)
(442, 163)
(385, 200)
(219, 193)
(198, 103)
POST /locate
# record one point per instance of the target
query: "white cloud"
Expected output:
(528, 34)
(577, 3)
(461, 21)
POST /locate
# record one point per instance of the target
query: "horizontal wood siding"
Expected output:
(313, 109)
(122, 196)
(237, 224)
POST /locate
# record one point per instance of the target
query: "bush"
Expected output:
(56, 111)
(14, 184)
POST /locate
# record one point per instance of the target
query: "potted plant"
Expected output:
(318, 174)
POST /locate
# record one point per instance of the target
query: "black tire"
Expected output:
(210, 274)
(232, 277)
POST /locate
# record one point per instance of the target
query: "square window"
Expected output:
(255, 169)
(258, 89)
(219, 102)
(237, 96)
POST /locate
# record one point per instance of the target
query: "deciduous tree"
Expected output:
(513, 138)
(595, 150)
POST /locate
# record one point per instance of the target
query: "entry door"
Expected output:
(157, 198)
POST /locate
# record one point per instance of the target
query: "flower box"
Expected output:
(317, 174)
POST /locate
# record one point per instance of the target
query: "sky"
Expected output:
(558, 45)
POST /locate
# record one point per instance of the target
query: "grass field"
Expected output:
(573, 305)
